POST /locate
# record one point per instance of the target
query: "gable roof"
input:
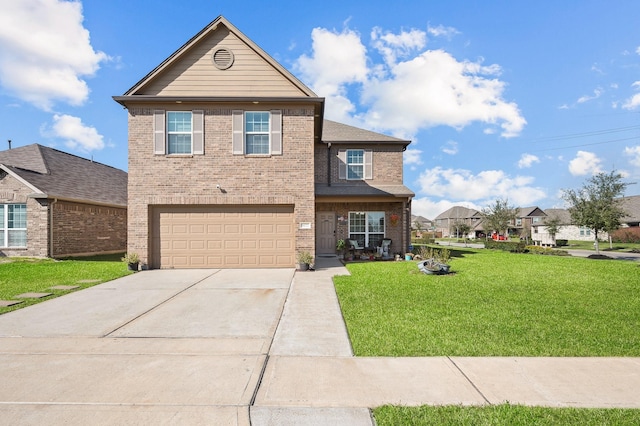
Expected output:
(203, 37)
(57, 174)
(562, 214)
(631, 206)
(335, 132)
(458, 212)
(529, 211)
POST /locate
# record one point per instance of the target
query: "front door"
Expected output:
(325, 233)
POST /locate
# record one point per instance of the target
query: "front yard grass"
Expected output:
(19, 276)
(494, 304)
(504, 414)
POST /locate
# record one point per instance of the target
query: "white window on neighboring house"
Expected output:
(367, 228)
(178, 132)
(355, 164)
(518, 221)
(257, 133)
(13, 225)
(584, 231)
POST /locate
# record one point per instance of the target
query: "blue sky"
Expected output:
(502, 99)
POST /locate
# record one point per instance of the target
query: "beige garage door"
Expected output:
(222, 237)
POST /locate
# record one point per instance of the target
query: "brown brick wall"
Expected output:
(84, 229)
(395, 232)
(78, 228)
(387, 163)
(13, 191)
(279, 179)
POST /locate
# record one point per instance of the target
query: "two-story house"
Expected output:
(232, 164)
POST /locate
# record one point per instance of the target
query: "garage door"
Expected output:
(222, 237)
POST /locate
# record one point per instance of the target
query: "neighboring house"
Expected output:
(232, 164)
(445, 221)
(526, 218)
(567, 231)
(54, 204)
(423, 223)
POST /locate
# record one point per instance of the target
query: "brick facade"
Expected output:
(285, 179)
(387, 163)
(78, 229)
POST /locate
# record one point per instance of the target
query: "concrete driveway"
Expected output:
(157, 347)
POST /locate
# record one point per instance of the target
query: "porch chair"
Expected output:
(355, 246)
(385, 247)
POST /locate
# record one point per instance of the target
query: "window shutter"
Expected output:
(276, 132)
(158, 132)
(198, 132)
(237, 126)
(368, 164)
(342, 164)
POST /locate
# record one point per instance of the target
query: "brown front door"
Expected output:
(325, 233)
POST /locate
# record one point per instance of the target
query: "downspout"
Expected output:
(329, 164)
(55, 200)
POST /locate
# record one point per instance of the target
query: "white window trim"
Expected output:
(366, 229)
(263, 133)
(239, 133)
(343, 166)
(5, 227)
(169, 133)
(161, 133)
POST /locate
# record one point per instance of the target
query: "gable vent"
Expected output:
(223, 58)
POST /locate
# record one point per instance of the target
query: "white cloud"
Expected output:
(484, 186)
(638, 50)
(75, 134)
(451, 148)
(442, 31)
(586, 98)
(412, 157)
(435, 89)
(634, 153)
(406, 91)
(45, 52)
(634, 101)
(585, 163)
(338, 59)
(391, 46)
(527, 160)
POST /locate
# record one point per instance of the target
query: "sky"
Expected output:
(507, 100)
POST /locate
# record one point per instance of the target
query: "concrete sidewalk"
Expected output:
(259, 347)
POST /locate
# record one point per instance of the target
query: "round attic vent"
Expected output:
(223, 58)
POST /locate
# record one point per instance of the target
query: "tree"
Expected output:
(597, 205)
(497, 217)
(553, 227)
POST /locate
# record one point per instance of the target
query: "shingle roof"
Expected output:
(458, 212)
(631, 206)
(337, 189)
(337, 132)
(562, 214)
(59, 174)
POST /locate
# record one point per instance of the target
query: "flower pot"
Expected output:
(132, 266)
(303, 266)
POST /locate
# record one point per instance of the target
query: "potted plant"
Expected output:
(340, 246)
(132, 260)
(304, 260)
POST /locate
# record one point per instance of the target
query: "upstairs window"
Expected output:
(13, 225)
(179, 132)
(257, 133)
(355, 164)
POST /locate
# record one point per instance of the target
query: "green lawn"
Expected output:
(505, 414)
(19, 276)
(494, 304)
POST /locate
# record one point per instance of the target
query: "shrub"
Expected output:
(510, 246)
(546, 251)
(562, 243)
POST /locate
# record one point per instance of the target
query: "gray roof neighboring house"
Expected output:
(562, 214)
(458, 212)
(631, 206)
(56, 174)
